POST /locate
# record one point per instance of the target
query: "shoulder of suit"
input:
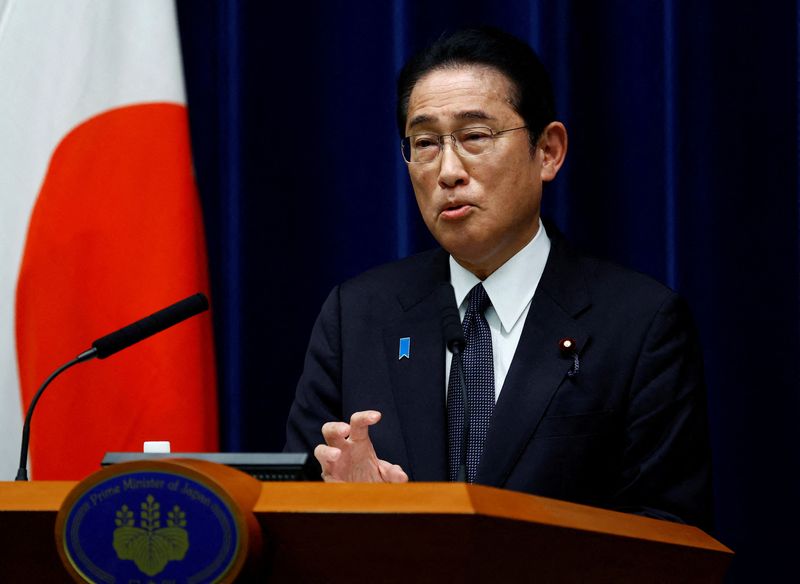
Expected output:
(606, 281)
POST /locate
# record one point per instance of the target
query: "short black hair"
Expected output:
(532, 92)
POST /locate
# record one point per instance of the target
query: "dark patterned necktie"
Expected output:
(479, 376)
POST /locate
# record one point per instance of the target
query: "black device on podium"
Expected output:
(264, 466)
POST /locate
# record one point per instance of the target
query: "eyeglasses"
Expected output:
(422, 148)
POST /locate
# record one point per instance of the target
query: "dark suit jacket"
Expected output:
(628, 432)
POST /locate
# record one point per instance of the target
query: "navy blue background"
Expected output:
(683, 163)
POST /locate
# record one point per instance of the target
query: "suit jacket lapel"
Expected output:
(418, 381)
(538, 367)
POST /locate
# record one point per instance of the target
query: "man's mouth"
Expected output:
(455, 211)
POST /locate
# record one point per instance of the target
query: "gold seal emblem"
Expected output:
(151, 546)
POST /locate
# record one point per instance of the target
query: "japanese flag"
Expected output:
(100, 225)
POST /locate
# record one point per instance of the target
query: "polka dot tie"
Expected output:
(479, 376)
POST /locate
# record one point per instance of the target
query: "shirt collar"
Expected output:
(512, 286)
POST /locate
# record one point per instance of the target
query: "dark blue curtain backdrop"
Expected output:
(683, 163)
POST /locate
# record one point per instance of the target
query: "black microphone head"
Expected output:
(452, 332)
(150, 325)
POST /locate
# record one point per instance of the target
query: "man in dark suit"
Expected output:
(584, 379)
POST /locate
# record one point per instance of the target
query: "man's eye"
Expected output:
(425, 142)
(475, 136)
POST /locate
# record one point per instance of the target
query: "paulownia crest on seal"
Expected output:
(151, 546)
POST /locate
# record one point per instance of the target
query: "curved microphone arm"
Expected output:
(22, 473)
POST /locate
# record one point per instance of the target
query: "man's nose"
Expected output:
(451, 170)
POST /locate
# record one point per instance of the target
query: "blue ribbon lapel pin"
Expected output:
(405, 348)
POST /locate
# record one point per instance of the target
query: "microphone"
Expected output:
(453, 334)
(452, 331)
(110, 344)
(149, 325)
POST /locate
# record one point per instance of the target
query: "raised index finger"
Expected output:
(360, 423)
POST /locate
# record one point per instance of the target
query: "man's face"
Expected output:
(481, 209)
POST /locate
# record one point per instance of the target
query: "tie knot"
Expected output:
(478, 300)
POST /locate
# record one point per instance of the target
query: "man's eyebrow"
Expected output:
(473, 115)
(463, 115)
(420, 119)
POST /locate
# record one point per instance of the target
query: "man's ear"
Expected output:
(553, 143)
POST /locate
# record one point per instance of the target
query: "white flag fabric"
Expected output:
(100, 225)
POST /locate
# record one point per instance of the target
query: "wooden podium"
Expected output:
(419, 532)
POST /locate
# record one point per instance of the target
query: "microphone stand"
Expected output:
(22, 473)
(113, 343)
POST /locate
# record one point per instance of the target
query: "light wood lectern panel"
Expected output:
(434, 532)
(421, 532)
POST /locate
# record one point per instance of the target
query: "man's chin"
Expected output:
(467, 257)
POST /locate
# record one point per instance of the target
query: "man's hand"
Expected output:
(348, 455)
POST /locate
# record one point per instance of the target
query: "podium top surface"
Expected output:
(413, 499)
(33, 495)
(463, 499)
(426, 532)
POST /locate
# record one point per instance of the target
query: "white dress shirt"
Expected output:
(510, 288)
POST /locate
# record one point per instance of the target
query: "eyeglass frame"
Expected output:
(456, 143)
